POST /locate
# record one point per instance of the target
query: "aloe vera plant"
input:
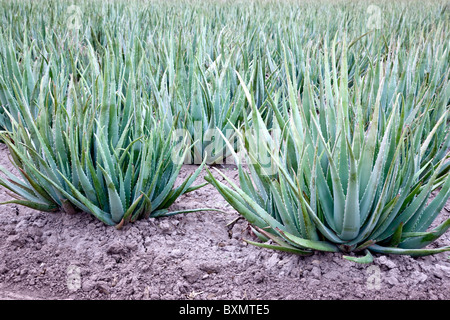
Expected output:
(97, 151)
(186, 64)
(328, 182)
(142, 71)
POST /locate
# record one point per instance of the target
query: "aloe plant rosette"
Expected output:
(96, 151)
(333, 184)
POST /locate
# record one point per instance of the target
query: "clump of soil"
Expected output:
(190, 256)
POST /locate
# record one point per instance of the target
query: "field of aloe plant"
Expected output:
(318, 129)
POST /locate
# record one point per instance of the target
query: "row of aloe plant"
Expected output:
(187, 52)
(362, 112)
(95, 148)
(326, 181)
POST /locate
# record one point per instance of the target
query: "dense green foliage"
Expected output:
(340, 108)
